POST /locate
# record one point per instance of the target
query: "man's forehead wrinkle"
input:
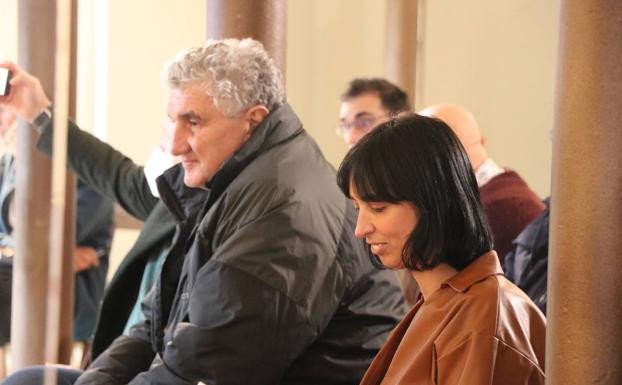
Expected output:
(188, 114)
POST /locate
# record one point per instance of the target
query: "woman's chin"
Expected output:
(391, 262)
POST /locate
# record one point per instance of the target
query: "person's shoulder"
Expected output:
(508, 179)
(508, 191)
(521, 326)
(518, 316)
(482, 299)
(513, 300)
(293, 172)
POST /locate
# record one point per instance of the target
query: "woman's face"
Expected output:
(386, 227)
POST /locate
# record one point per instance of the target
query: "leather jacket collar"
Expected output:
(481, 268)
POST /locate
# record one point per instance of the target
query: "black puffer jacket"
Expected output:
(265, 283)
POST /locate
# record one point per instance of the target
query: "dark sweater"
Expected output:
(510, 206)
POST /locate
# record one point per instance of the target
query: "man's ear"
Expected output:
(256, 115)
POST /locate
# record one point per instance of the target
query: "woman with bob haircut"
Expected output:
(419, 209)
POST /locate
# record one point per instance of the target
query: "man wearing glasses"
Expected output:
(366, 103)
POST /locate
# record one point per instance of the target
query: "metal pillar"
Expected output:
(400, 59)
(36, 33)
(263, 20)
(400, 56)
(65, 332)
(584, 336)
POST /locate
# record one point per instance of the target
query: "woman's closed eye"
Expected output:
(377, 208)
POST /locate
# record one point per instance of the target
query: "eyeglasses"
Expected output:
(362, 123)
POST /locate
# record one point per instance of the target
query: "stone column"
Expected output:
(400, 56)
(263, 20)
(584, 336)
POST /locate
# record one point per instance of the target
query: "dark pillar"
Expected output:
(35, 54)
(584, 336)
(400, 68)
(36, 42)
(400, 57)
(69, 237)
(263, 20)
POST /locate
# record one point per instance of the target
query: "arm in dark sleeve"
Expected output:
(105, 169)
(94, 219)
(126, 357)
(248, 311)
(239, 330)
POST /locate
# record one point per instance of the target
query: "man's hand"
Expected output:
(27, 98)
(84, 258)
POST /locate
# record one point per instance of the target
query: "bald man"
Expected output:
(507, 199)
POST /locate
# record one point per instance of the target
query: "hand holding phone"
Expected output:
(5, 77)
(25, 96)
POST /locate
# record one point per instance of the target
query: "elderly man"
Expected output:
(509, 203)
(264, 282)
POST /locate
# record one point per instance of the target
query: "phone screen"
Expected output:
(5, 76)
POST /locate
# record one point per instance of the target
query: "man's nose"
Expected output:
(177, 139)
(352, 136)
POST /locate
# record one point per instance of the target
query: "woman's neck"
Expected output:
(431, 280)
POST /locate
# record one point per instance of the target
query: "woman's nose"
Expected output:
(363, 226)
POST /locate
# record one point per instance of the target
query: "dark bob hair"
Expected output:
(420, 160)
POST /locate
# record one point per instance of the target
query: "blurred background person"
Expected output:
(366, 103)
(507, 199)
(94, 227)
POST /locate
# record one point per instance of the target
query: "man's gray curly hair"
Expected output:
(238, 74)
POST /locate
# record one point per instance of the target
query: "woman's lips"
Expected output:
(378, 248)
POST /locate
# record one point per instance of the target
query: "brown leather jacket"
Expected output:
(477, 329)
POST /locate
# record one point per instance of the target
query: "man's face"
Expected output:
(359, 115)
(202, 136)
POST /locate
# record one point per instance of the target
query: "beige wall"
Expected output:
(496, 57)
(8, 29)
(330, 42)
(8, 45)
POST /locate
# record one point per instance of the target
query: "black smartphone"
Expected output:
(5, 77)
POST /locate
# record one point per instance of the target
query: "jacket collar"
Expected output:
(481, 268)
(278, 127)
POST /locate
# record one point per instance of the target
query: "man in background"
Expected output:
(94, 228)
(366, 103)
(507, 199)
